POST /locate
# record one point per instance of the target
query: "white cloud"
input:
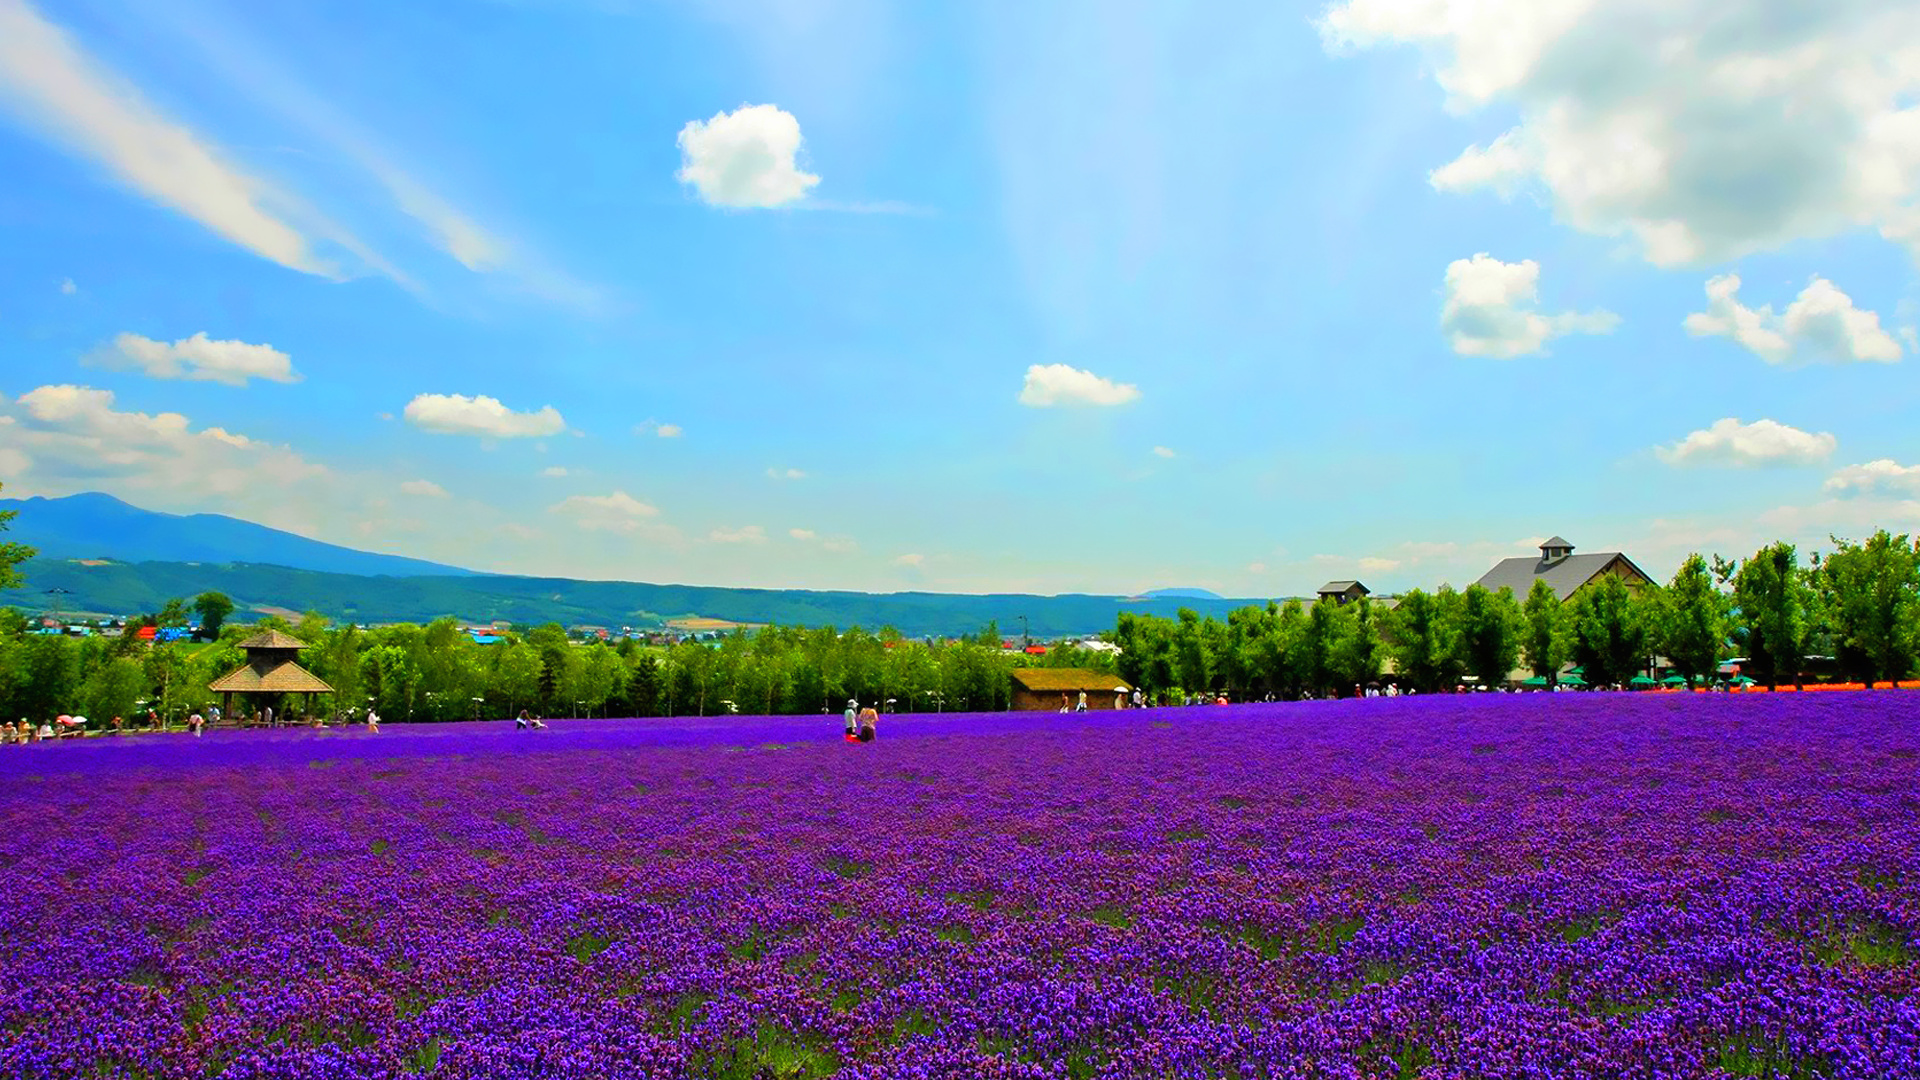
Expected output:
(1821, 323)
(1702, 131)
(1763, 442)
(425, 489)
(79, 102)
(198, 358)
(554, 471)
(457, 414)
(910, 559)
(1883, 475)
(1161, 451)
(835, 544)
(73, 437)
(1489, 310)
(745, 158)
(617, 512)
(67, 287)
(1374, 564)
(786, 474)
(667, 431)
(1256, 568)
(1048, 385)
(746, 534)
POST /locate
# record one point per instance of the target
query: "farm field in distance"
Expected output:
(1489, 887)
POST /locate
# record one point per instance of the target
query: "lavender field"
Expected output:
(1544, 886)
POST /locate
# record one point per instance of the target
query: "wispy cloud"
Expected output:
(75, 99)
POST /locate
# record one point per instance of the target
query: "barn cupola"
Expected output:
(1555, 549)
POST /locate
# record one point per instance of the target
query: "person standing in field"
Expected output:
(869, 721)
(853, 724)
(373, 721)
(1081, 705)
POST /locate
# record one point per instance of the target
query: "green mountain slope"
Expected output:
(126, 588)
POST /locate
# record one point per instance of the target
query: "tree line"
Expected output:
(439, 672)
(1858, 605)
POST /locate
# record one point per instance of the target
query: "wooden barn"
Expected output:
(1041, 689)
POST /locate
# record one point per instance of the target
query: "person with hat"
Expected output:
(851, 715)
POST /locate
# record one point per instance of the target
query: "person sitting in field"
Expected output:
(869, 720)
(539, 724)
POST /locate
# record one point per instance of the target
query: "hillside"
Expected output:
(125, 587)
(96, 526)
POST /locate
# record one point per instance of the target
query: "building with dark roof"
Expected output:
(1563, 571)
(1342, 592)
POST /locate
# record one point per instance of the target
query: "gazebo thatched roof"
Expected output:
(285, 677)
(272, 639)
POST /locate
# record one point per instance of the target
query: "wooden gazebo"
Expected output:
(272, 667)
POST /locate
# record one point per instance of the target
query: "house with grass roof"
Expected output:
(1040, 689)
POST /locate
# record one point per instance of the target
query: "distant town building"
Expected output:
(1562, 570)
(1041, 689)
(1343, 592)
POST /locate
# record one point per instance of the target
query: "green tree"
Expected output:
(1194, 667)
(213, 609)
(1871, 597)
(1357, 654)
(113, 689)
(172, 614)
(1771, 600)
(1545, 643)
(1424, 654)
(1692, 623)
(1609, 632)
(1490, 632)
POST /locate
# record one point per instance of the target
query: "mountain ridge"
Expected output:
(94, 525)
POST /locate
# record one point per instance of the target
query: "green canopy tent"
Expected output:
(1642, 681)
(1742, 680)
(1538, 682)
(1674, 680)
(1572, 679)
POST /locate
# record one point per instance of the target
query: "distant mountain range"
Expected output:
(107, 557)
(96, 526)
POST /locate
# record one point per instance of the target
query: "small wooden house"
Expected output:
(1041, 689)
(1342, 592)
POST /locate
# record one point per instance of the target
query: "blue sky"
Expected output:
(1040, 297)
